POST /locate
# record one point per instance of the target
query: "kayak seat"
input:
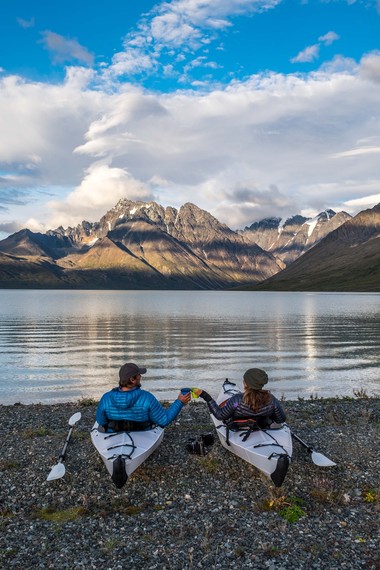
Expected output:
(246, 426)
(128, 425)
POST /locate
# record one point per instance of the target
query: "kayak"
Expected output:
(269, 449)
(122, 452)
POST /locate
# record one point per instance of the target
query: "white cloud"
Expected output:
(26, 23)
(358, 152)
(34, 225)
(260, 147)
(101, 188)
(65, 49)
(131, 62)
(370, 66)
(329, 38)
(180, 28)
(364, 202)
(310, 53)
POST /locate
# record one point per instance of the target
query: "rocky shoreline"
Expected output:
(183, 511)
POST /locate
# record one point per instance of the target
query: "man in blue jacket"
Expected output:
(129, 408)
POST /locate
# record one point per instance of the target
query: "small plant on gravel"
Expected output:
(38, 432)
(294, 511)
(289, 508)
(6, 464)
(361, 393)
(81, 434)
(86, 402)
(59, 516)
(110, 544)
(323, 491)
(9, 552)
(274, 503)
(210, 464)
(371, 496)
(131, 510)
(239, 551)
(315, 397)
(5, 513)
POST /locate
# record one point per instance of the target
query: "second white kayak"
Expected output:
(270, 449)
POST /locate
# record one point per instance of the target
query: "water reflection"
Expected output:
(59, 346)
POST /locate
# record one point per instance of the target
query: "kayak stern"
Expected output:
(119, 473)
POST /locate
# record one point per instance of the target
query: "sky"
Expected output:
(246, 108)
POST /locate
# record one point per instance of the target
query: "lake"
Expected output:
(59, 346)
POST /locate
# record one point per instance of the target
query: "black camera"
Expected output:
(195, 447)
(208, 439)
(198, 446)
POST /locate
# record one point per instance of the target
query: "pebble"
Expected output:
(180, 511)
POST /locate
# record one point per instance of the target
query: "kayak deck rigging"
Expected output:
(127, 451)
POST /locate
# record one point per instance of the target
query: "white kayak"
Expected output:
(269, 449)
(122, 452)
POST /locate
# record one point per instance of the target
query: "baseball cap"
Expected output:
(128, 370)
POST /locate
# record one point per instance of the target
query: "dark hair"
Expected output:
(126, 382)
(256, 399)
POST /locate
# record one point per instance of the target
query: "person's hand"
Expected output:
(201, 394)
(184, 398)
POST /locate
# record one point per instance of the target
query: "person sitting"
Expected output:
(129, 408)
(254, 403)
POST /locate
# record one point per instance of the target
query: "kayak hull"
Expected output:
(269, 450)
(123, 452)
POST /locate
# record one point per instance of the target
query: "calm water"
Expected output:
(58, 346)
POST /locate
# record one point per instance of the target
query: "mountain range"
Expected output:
(142, 245)
(347, 259)
(289, 238)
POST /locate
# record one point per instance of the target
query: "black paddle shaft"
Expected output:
(63, 452)
(310, 449)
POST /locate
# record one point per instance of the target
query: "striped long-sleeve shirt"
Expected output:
(236, 408)
(136, 405)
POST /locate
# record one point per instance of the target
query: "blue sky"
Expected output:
(248, 108)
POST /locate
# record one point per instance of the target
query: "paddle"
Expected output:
(317, 458)
(59, 470)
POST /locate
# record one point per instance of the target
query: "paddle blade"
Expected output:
(75, 419)
(57, 472)
(321, 460)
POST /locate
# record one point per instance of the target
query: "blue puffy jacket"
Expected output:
(136, 405)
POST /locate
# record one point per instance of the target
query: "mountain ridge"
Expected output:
(291, 237)
(347, 259)
(145, 245)
(136, 242)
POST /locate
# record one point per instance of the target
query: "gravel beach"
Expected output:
(182, 511)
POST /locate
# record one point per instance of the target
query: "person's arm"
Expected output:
(101, 416)
(221, 413)
(163, 417)
(278, 415)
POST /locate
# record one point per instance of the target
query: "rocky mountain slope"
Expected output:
(289, 238)
(142, 245)
(348, 259)
(139, 245)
